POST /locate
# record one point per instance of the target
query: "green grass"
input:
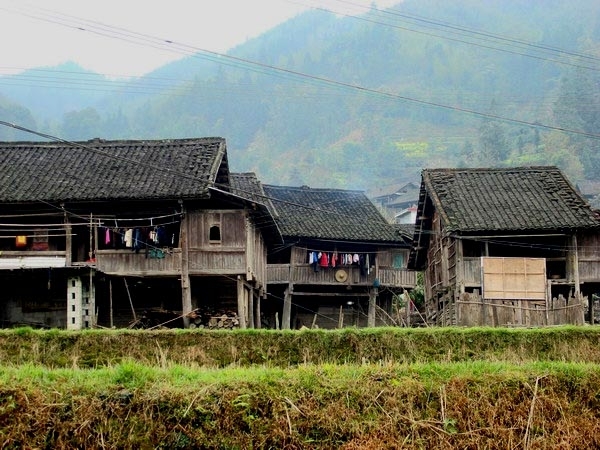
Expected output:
(354, 388)
(95, 349)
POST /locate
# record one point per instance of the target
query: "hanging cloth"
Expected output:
(324, 260)
(128, 238)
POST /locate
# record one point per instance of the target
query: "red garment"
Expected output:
(324, 261)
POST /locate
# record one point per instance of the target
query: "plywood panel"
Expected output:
(514, 278)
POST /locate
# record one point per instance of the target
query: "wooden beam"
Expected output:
(332, 294)
(241, 302)
(372, 307)
(186, 291)
(257, 322)
(286, 315)
(250, 305)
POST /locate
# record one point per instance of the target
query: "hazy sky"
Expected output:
(133, 37)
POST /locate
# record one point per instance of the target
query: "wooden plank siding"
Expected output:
(278, 273)
(210, 261)
(588, 247)
(130, 263)
(256, 255)
(472, 271)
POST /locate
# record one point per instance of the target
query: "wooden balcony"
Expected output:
(305, 274)
(130, 263)
(32, 259)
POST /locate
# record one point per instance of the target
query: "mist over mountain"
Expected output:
(355, 102)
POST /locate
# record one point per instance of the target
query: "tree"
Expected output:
(81, 125)
(493, 149)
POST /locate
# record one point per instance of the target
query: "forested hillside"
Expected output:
(369, 100)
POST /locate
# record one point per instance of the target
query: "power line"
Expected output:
(143, 39)
(462, 30)
(251, 194)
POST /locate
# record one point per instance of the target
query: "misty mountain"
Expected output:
(358, 101)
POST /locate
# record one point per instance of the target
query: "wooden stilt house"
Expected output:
(508, 247)
(128, 233)
(342, 264)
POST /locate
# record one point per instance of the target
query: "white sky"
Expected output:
(36, 33)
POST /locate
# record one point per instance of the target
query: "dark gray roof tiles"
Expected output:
(247, 185)
(107, 170)
(515, 199)
(334, 214)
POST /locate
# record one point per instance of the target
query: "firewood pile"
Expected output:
(214, 320)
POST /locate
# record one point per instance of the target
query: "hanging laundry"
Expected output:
(161, 236)
(324, 260)
(128, 238)
(315, 262)
(362, 265)
(137, 239)
(107, 237)
(334, 259)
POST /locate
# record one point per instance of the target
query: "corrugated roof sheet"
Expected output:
(106, 170)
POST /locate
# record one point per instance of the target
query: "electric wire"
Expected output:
(221, 57)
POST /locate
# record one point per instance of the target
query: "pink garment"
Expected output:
(334, 259)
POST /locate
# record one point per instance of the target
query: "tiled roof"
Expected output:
(248, 186)
(336, 214)
(516, 199)
(107, 170)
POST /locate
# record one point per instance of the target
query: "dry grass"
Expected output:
(445, 406)
(93, 349)
(350, 389)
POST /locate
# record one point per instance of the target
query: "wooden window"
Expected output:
(398, 261)
(214, 235)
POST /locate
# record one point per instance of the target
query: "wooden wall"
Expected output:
(130, 263)
(256, 255)
(434, 277)
(588, 248)
(472, 310)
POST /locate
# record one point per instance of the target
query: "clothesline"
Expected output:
(105, 221)
(334, 259)
(115, 223)
(339, 251)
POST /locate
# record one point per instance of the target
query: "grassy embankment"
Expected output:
(381, 388)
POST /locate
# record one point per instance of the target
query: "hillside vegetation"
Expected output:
(352, 389)
(369, 100)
